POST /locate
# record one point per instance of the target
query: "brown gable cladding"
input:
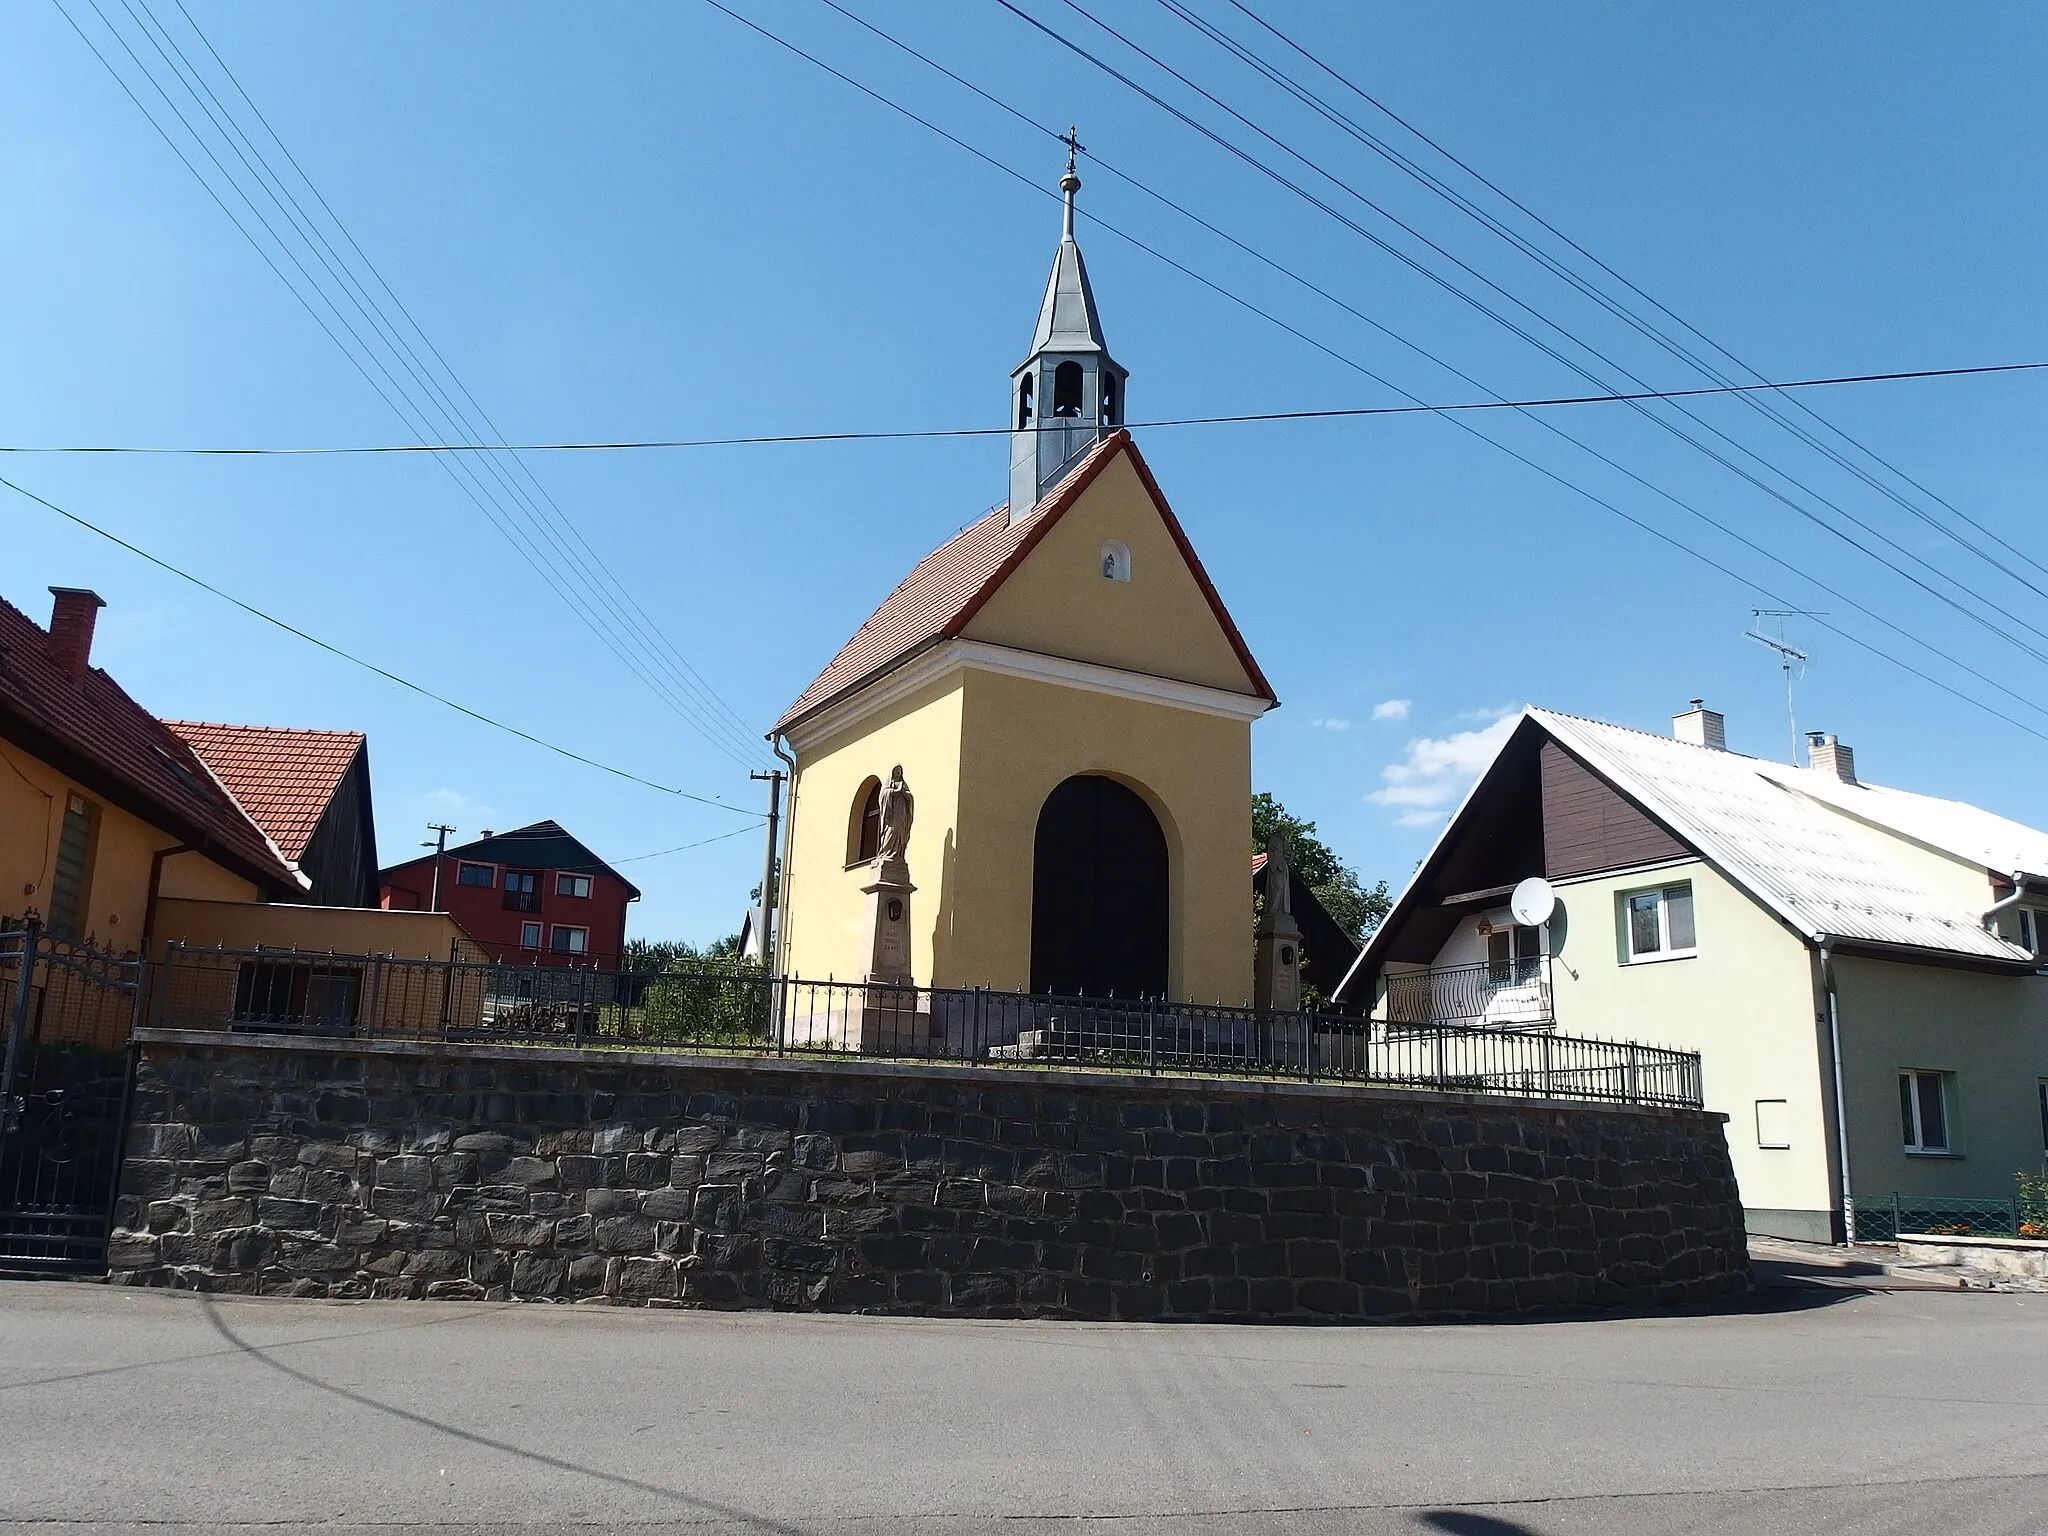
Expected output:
(82, 724)
(942, 594)
(1589, 826)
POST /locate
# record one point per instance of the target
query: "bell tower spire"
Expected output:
(1068, 394)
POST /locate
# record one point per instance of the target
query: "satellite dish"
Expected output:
(1533, 902)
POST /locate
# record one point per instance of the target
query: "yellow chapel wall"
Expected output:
(824, 917)
(1021, 738)
(1159, 622)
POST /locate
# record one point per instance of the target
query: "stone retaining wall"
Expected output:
(380, 1169)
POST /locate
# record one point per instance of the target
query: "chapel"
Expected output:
(1063, 695)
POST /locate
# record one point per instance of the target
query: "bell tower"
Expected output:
(1068, 394)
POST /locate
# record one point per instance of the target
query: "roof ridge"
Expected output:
(292, 730)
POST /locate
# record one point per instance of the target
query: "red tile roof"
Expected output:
(89, 729)
(941, 596)
(282, 777)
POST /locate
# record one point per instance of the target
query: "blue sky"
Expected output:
(646, 221)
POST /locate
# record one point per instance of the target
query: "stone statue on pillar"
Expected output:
(888, 888)
(1276, 942)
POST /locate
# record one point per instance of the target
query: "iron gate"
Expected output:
(69, 1013)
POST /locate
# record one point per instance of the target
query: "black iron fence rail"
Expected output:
(380, 997)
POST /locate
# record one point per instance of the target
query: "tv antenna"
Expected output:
(1787, 655)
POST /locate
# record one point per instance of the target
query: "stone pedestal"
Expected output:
(1276, 964)
(889, 1021)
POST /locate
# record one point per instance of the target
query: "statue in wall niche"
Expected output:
(1279, 879)
(896, 808)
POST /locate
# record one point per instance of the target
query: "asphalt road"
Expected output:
(132, 1411)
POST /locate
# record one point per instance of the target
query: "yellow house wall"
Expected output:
(1746, 1001)
(1023, 737)
(824, 919)
(1990, 1032)
(32, 800)
(1159, 623)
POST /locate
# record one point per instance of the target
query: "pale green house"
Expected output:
(1860, 968)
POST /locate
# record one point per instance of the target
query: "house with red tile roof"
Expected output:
(123, 830)
(310, 793)
(1030, 765)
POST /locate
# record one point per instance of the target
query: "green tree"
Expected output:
(1357, 909)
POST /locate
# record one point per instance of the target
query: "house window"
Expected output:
(573, 885)
(1657, 925)
(571, 941)
(1512, 954)
(864, 839)
(1923, 1111)
(485, 875)
(522, 890)
(1116, 561)
(71, 883)
(529, 935)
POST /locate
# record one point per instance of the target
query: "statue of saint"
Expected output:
(1279, 880)
(896, 808)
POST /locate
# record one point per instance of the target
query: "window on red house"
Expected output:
(529, 935)
(572, 885)
(571, 941)
(476, 874)
(522, 890)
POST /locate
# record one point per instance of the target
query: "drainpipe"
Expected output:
(775, 950)
(1827, 977)
(2019, 889)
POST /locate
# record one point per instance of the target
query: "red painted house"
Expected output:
(530, 896)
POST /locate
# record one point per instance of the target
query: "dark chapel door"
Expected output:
(1098, 893)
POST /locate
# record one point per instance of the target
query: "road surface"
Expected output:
(138, 1412)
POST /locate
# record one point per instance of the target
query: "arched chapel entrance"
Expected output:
(1098, 893)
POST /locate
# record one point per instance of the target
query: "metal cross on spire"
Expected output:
(1071, 182)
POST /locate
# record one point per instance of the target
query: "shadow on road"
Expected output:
(618, 1480)
(1460, 1522)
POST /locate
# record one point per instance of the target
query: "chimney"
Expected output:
(72, 617)
(1701, 726)
(1826, 755)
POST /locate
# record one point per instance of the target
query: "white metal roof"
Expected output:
(1778, 832)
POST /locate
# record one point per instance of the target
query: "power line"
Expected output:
(1659, 334)
(1457, 421)
(1334, 413)
(369, 666)
(559, 570)
(1423, 270)
(662, 853)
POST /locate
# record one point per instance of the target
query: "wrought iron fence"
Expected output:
(67, 1011)
(1499, 994)
(1881, 1218)
(364, 996)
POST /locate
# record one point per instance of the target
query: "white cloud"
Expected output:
(1330, 723)
(453, 802)
(1437, 770)
(1391, 709)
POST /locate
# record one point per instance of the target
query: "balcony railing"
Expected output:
(1500, 994)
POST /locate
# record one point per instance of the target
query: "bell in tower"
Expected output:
(1068, 394)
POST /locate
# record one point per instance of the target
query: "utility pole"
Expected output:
(1787, 654)
(773, 779)
(440, 847)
